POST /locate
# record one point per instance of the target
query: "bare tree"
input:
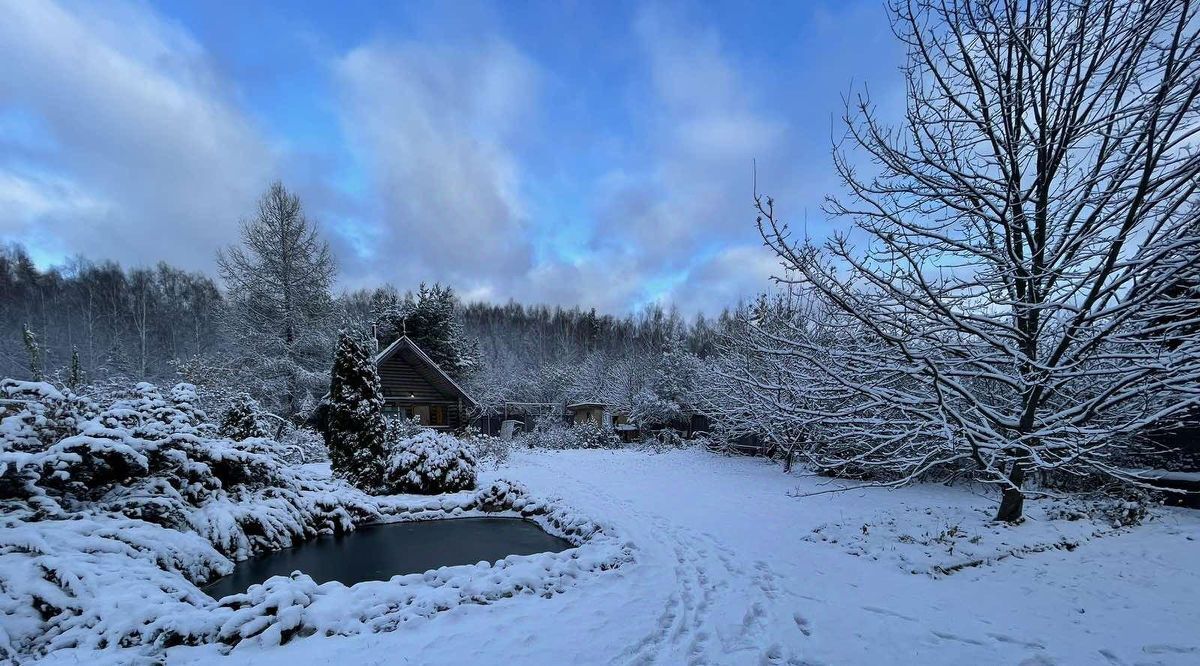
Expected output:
(1028, 238)
(279, 284)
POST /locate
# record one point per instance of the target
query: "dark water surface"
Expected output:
(378, 552)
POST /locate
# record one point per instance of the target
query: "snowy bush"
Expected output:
(488, 450)
(666, 439)
(138, 499)
(1127, 509)
(428, 463)
(402, 427)
(303, 445)
(36, 414)
(552, 434)
(590, 435)
(241, 421)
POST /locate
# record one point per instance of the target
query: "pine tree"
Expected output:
(35, 353)
(239, 421)
(355, 429)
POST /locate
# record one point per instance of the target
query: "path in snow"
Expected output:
(724, 575)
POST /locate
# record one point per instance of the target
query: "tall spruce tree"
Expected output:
(355, 428)
(430, 319)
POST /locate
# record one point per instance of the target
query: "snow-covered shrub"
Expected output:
(553, 434)
(303, 445)
(665, 439)
(36, 414)
(429, 462)
(402, 427)
(241, 420)
(591, 435)
(105, 507)
(546, 434)
(1127, 509)
(97, 579)
(488, 450)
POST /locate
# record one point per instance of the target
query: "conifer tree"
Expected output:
(355, 428)
(279, 281)
(429, 319)
(239, 421)
(75, 378)
(35, 353)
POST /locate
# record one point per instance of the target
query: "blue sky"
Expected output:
(591, 153)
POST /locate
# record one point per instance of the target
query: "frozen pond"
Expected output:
(378, 552)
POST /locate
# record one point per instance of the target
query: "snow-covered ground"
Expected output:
(729, 570)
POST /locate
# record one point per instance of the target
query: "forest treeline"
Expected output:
(124, 323)
(164, 324)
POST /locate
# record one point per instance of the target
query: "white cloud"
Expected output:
(437, 130)
(141, 132)
(737, 272)
(692, 196)
(119, 139)
(432, 125)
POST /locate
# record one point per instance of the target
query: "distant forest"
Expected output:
(133, 324)
(163, 325)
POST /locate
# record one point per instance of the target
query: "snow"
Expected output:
(734, 563)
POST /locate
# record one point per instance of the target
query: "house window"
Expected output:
(427, 415)
(437, 415)
(396, 411)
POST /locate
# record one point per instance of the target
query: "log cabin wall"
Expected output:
(406, 388)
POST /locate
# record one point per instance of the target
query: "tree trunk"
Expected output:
(1012, 502)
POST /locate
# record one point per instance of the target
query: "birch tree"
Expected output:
(1023, 241)
(279, 283)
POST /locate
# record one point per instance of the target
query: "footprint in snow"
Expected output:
(802, 624)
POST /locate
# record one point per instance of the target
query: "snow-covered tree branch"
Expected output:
(1022, 266)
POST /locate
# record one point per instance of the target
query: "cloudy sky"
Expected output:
(592, 153)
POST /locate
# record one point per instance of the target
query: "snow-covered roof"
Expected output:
(438, 376)
(587, 405)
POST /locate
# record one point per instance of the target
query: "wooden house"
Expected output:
(414, 386)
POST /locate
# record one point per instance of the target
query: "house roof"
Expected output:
(417, 357)
(587, 405)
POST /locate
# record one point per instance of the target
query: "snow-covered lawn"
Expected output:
(728, 570)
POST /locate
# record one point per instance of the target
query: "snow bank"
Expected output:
(112, 516)
(97, 581)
